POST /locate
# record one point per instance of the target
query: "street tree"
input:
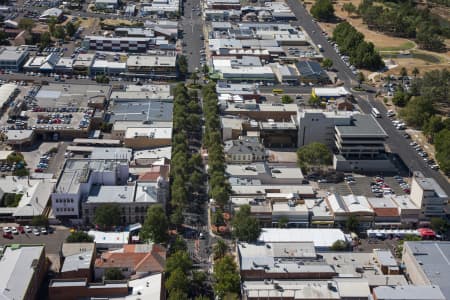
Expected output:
(226, 277)
(286, 99)
(178, 295)
(415, 71)
(439, 225)
(182, 64)
(323, 10)
(107, 215)
(178, 260)
(39, 221)
(194, 77)
(314, 154)
(327, 63)
(177, 280)
(79, 237)
(339, 245)
(352, 224)
(245, 227)
(156, 225)
(360, 78)
(220, 249)
(45, 40)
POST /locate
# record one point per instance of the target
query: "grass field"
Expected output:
(389, 46)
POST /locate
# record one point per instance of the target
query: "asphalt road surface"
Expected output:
(192, 26)
(396, 142)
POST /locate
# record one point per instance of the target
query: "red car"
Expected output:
(21, 229)
(38, 170)
(8, 235)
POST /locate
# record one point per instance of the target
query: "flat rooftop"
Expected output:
(18, 264)
(57, 95)
(110, 194)
(434, 258)
(320, 237)
(141, 111)
(362, 126)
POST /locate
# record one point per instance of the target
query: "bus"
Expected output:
(376, 113)
(277, 91)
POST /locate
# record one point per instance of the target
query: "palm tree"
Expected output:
(220, 249)
(403, 72)
(360, 78)
(415, 72)
(194, 77)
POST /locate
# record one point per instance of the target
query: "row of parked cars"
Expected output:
(9, 232)
(424, 155)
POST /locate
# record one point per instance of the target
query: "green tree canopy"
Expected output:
(439, 225)
(286, 99)
(323, 10)
(26, 24)
(107, 215)
(442, 146)
(245, 227)
(179, 259)
(417, 111)
(39, 221)
(352, 224)
(177, 280)
(79, 237)
(339, 245)
(226, 277)
(156, 225)
(220, 249)
(327, 63)
(314, 154)
(182, 64)
(113, 274)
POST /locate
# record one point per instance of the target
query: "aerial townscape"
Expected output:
(224, 150)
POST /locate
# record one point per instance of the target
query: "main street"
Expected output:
(192, 28)
(366, 101)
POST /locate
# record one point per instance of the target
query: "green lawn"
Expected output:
(405, 46)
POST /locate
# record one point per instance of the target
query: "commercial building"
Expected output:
(410, 292)
(8, 92)
(133, 260)
(342, 207)
(77, 178)
(133, 201)
(108, 5)
(322, 238)
(149, 156)
(128, 44)
(35, 194)
(244, 150)
(152, 66)
(311, 71)
(77, 261)
(326, 94)
(51, 13)
(104, 67)
(428, 195)
(360, 146)
(278, 260)
(147, 137)
(262, 112)
(427, 263)
(13, 58)
(24, 268)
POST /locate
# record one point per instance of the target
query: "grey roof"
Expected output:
(309, 68)
(69, 249)
(112, 153)
(140, 111)
(362, 126)
(244, 147)
(75, 262)
(434, 258)
(409, 292)
(18, 264)
(11, 53)
(429, 184)
(110, 194)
